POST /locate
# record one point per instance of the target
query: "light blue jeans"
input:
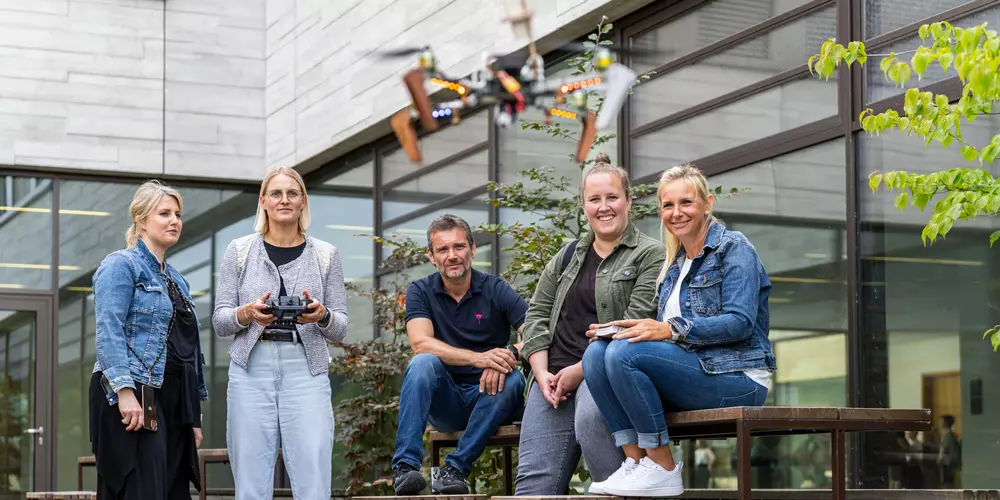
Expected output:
(276, 403)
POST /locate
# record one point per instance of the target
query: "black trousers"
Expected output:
(143, 465)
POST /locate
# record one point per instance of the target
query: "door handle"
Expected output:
(36, 430)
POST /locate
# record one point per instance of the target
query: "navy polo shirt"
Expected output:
(481, 321)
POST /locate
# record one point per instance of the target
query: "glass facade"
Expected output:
(862, 313)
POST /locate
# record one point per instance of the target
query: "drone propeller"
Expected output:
(402, 51)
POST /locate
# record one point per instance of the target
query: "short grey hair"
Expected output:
(448, 222)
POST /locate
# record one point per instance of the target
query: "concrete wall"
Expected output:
(143, 87)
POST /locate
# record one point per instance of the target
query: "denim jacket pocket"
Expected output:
(705, 289)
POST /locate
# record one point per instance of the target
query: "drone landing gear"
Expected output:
(402, 125)
(414, 81)
(587, 136)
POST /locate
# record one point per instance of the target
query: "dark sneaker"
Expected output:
(449, 481)
(407, 481)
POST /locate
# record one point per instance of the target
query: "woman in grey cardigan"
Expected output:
(279, 389)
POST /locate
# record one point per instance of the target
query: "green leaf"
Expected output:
(607, 28)
(994, 237)
(936, 30)
(901, 200)
(809, 63)
(904, 73)
(920, 61)
(930, 232)
(945, 226)
(921, 201)
(969, 38)
(924, 31)
(874, 179)
(945, 57)
(884, 65)
(969, 153)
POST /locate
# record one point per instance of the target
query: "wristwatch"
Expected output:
(513, 350)
(326, 318)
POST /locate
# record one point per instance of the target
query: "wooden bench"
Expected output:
(62, 495)
(205, 457)
(506, 436)
(742, 423)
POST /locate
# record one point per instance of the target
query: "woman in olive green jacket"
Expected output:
(611, 275)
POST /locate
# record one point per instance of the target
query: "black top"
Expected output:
(183, 337)
(481, 321)
(283, 255)
(579, 311)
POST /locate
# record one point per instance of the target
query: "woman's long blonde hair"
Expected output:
(143, 203)
(696, 180)
(260, 225)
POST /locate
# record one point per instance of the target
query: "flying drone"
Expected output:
(511, 84)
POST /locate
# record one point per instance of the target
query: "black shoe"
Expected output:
(407, 481)
(449, 481)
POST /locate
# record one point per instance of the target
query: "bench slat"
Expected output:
(504, 431)
(425, 497)
(728, 415)
(884, 414)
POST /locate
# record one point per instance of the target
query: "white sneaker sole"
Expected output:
(596, 490)
(671, 491)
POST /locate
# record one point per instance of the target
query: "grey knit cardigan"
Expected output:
(259, 276)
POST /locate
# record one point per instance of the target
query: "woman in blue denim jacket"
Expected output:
(707, 348)
(147, 343)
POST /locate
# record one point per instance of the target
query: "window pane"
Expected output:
(703, 27)
(750, 62)
(883, 16)
(879, 87)
(362, 176)
(756, 117)
(464, 175)
(26, 233)
(438, 145)
(925, 311)
(76, 362)
(474, 211)
(343, 221)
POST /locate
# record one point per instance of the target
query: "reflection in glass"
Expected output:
(880, 87)
(475, 211)
(464, 175)
(17, 402)
(76, 337)
(883, 16)
(362, 176)
(26, 233)
(435, 147)
(757, 59)
(705, 26)
(926, 308)
(756, 117)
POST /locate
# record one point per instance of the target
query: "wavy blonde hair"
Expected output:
(260, 225)
(699, 183)
(143, 203)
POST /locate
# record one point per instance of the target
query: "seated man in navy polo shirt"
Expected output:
(464, 375)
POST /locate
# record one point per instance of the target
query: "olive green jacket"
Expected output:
(625, 287)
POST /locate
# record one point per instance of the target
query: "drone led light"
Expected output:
(449, 85)
(562, 113)
(441, 113)
(582, 84)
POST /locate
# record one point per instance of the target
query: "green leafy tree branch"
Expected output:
(973, 54)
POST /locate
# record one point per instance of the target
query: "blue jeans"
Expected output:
(276, 402)
(430, 394)
(635, 384)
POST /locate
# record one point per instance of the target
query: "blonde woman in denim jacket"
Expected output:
(610, 274)
(707, 348)
(147, 341)
(279, 387)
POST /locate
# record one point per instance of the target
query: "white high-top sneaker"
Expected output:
(600, 488)
(648, 479)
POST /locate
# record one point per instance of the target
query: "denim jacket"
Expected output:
(725, 317)
(133, 312)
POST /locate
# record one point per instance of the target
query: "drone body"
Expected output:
(511, 85)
